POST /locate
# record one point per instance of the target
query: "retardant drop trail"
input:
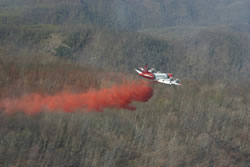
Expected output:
(118, 96)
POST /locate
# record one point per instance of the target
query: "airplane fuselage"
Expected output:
(154, 76)
(166, 78)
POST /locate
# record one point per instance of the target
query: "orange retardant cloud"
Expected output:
(118, 96)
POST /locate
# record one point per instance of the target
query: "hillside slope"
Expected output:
(197, 124)
(76, 46)
(129, 14)
(210, 53)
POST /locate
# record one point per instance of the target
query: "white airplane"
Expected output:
(166, 78)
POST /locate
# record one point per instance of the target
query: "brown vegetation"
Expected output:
(195, 124)
(47, 46)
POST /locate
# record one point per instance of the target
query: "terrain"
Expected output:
(47, 47)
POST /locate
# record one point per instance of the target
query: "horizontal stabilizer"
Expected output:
(138, 71)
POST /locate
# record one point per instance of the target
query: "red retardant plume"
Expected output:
(118, 96)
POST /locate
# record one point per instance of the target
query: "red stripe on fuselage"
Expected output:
(148, 75)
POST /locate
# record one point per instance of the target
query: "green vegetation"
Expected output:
(47, 46)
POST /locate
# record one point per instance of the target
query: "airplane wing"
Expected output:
(164, 81)
(169, 81)
(176, 82)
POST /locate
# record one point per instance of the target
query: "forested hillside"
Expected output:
(204, 124)
(52, 46)
(205, 53)
(170, 36)
(128, 14)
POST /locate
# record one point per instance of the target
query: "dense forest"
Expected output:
(51, 46)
